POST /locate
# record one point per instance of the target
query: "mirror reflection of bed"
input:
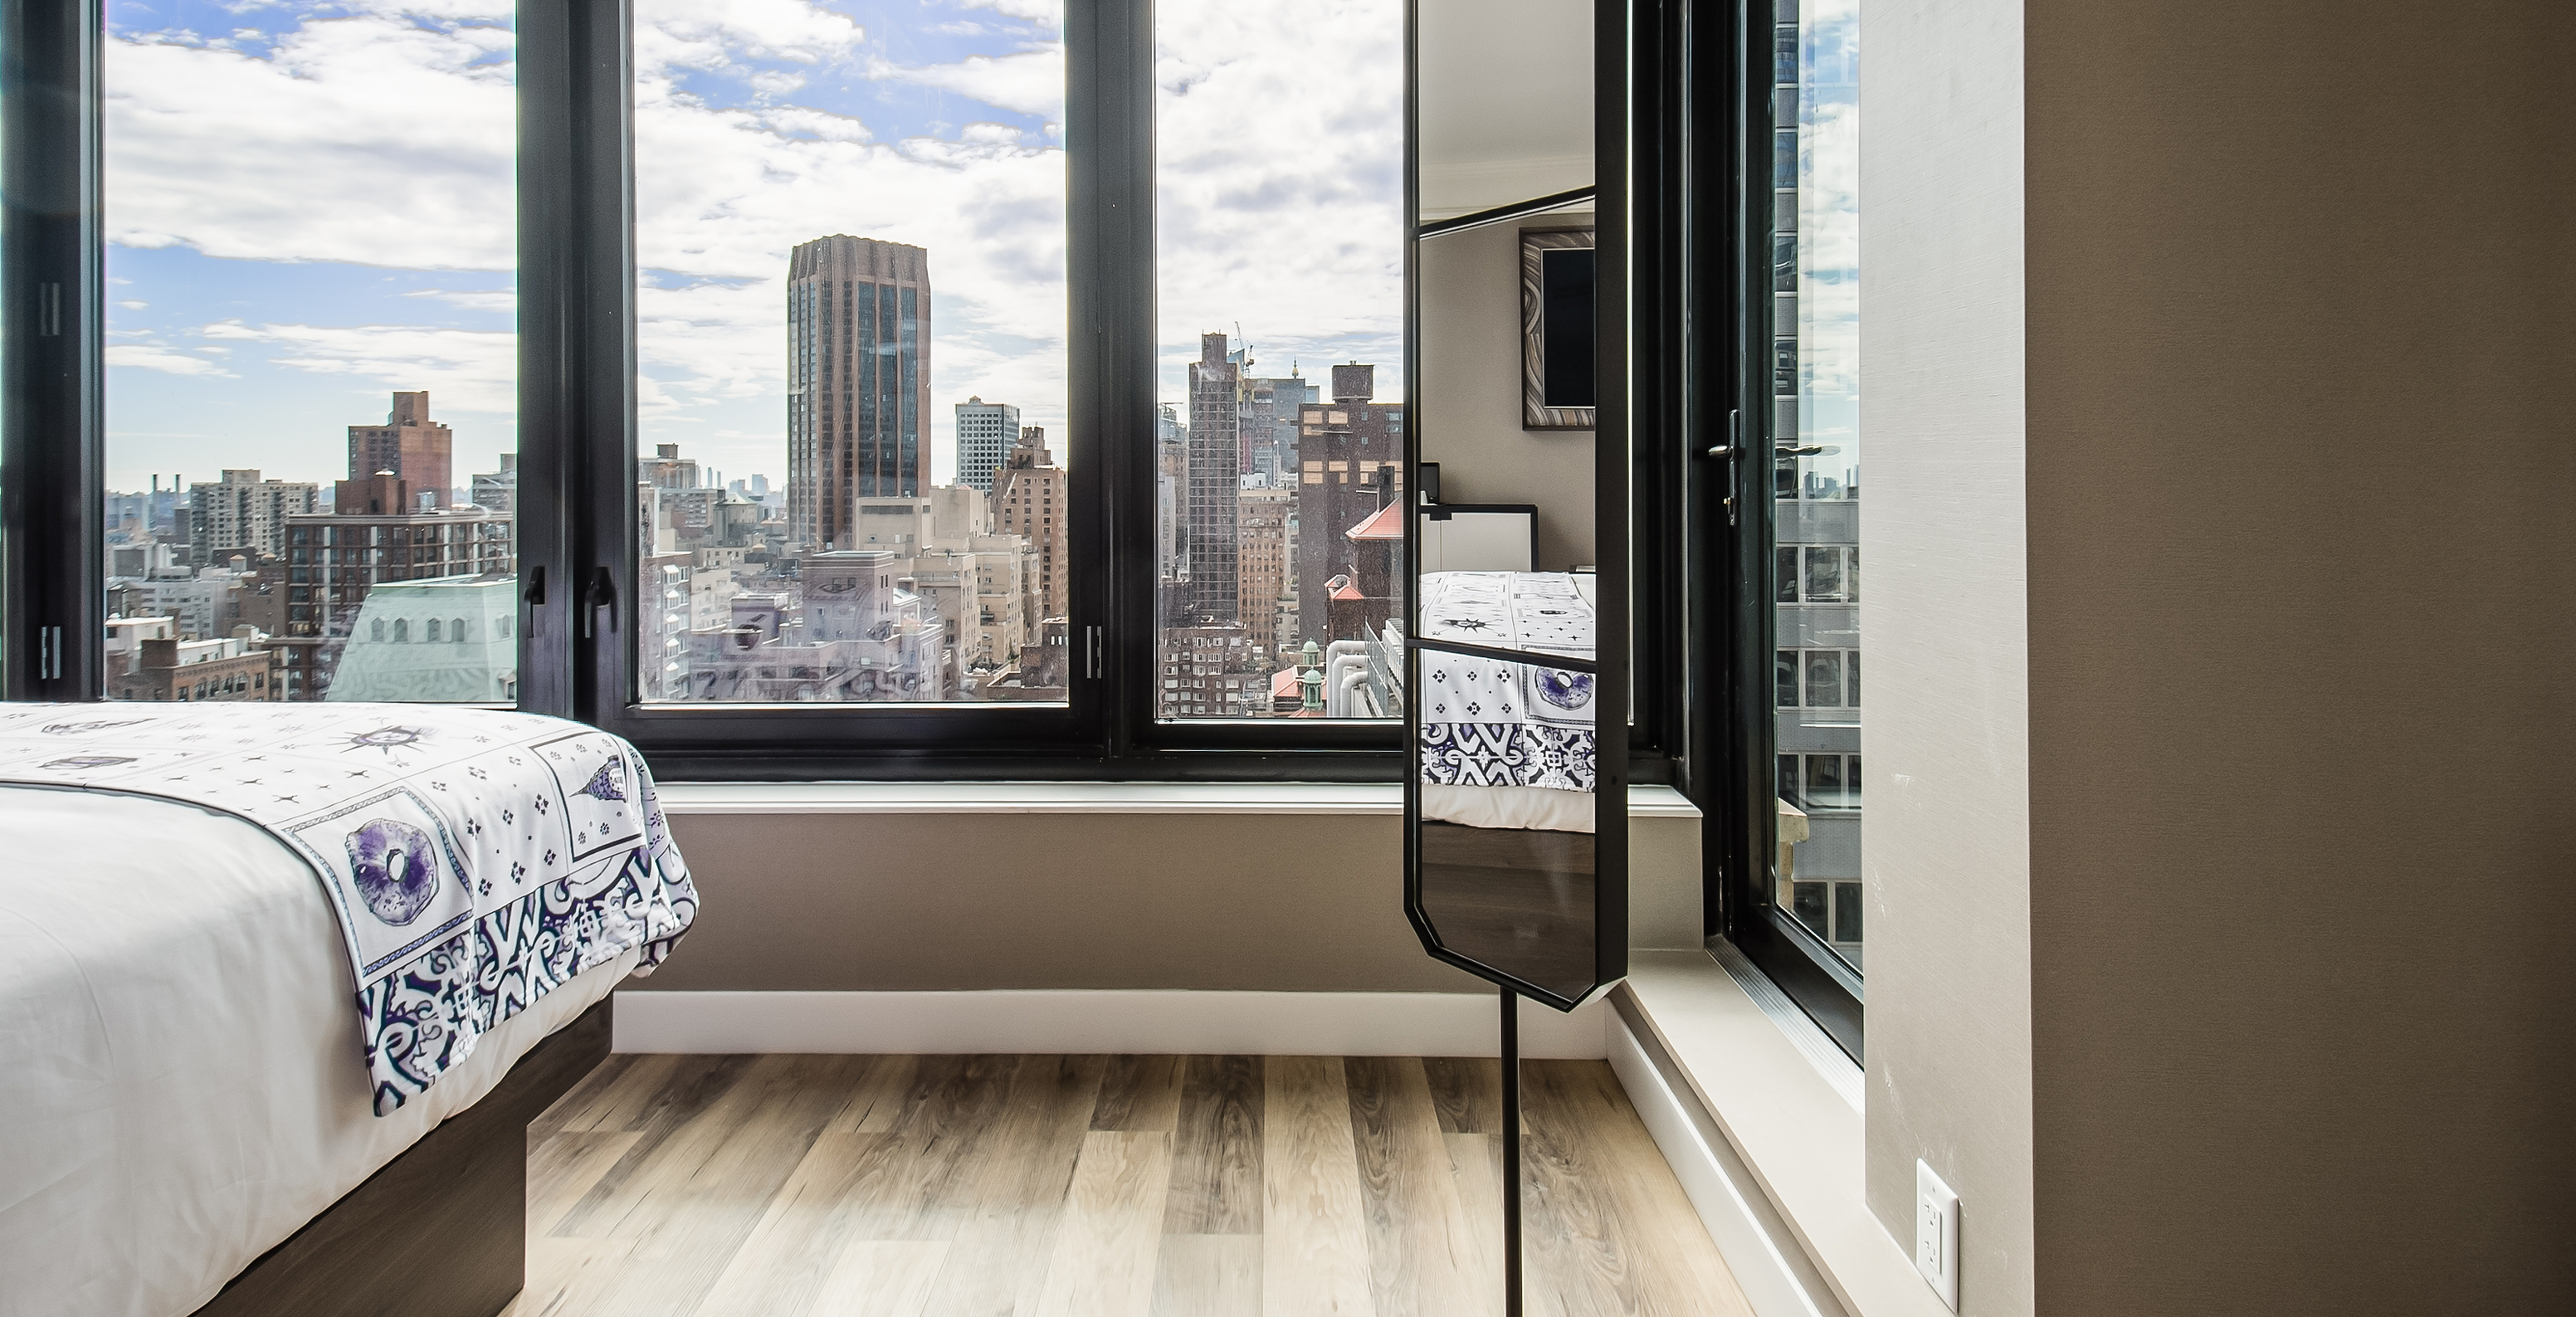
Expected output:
(1508, 773)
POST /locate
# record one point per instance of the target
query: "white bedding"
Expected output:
(182, 1081)
(1544, 809)
(1508, 745)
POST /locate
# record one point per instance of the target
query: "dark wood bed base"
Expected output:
(441, 1231)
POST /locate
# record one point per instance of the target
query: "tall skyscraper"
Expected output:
(1215, 471)
(412, 446)
(858, 381)
(985, 432)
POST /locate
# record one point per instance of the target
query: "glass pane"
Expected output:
(1785, 575)
(1816, 403)
(301, 258)
(1824, 678)
(1809, 905)
(1847, 914)
(1508, 775)
(1280, 304)
(1824, 781)
(1784, 678)
(850, 238)
(1824, 575)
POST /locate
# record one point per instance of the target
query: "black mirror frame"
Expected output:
(1613, 458)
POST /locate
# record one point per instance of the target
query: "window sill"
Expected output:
(1644, 801)
(1767, 1137)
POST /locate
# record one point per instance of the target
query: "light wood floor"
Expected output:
(1056, 1186)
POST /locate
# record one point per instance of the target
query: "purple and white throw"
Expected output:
(1491, 721)
(475, 859)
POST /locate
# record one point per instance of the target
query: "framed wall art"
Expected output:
(1558, 371)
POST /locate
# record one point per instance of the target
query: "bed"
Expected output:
(206, 1104)
(1507, 738)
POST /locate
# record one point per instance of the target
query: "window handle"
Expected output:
(603, 595)
(535, 596)
(1734, 444)
(1731, 450)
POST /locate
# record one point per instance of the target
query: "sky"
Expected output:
(1829, 235)
(310, 205)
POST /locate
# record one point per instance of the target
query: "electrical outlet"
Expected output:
(1936, 1234)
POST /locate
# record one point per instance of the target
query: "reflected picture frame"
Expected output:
(1558, 389)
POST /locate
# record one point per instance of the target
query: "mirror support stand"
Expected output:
(1511, 1153)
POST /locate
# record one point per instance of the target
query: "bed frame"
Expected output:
(440, 1231)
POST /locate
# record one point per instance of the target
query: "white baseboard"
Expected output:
(1219, 1023)
(1775, 1274)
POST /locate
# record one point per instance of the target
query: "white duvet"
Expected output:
(182, 1083)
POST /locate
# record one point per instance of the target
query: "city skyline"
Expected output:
(255, 307)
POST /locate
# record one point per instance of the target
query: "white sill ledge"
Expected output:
(1787, 1127)
(1078, 798)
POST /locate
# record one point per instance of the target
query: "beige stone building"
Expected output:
(1030, 500)
(1262, 562)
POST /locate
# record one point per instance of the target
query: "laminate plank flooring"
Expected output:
(1090, 1186)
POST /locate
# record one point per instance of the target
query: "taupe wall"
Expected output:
(1946, 852)
(1470, 393)
(1270, 902)
(2299, 484)
(2303, 898)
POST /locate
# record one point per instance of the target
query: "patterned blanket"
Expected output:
(475, 859)
(1494, 722)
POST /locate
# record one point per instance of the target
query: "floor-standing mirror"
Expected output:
(1516, 634)
(1517, 631)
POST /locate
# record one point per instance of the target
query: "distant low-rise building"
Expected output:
(244, 513)
(162, 667)
(334, 560)
(443, 640)
(1210, 672)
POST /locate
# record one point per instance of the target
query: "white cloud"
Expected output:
(153, 356)
(502, 301)
(799, 121)
(1050, 12)
(1028, 81)
(131, 305)
(696, 34)
(724, 193)
(467, 370)
(367, 139)
(1280, 128)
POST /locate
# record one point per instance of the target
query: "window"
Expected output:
(299, 260)
(1279, 348)
(851, 485)
(924, 499)
(1811, 267)
(1817, 679)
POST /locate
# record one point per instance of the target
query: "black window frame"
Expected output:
(1730, 114)
(578, 564)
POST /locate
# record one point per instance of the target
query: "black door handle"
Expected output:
(603, 595)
